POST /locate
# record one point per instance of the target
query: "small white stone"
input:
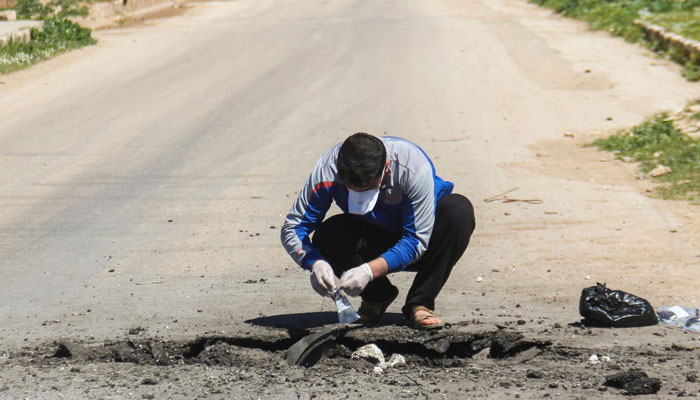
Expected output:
(479, 279)
(396, 359)
(370, 351)
(660, 170)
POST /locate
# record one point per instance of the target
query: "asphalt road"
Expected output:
(143, 180)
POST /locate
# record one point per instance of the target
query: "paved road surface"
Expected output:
(143, 181)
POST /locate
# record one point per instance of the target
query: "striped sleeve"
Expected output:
(309, 210)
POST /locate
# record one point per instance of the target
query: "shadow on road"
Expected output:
(315, 320)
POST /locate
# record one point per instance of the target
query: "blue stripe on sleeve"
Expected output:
(316, 209)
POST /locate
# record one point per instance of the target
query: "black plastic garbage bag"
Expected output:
(615, 308)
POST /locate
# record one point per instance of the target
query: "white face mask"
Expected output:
(361, 203)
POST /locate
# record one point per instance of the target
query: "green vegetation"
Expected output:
(33, 9)
(656, 142)
(691, 72)
(617, 17)
(57, 36)
(685, 23)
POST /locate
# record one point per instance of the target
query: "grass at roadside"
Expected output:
(658, 143)
(617, 17)
(57, 36)
(684, 23)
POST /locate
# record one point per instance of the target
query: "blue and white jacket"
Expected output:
(406, 204)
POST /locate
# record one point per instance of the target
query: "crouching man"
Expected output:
(398, 215)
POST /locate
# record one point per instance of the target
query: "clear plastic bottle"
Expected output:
(692, 324)
(346, 312)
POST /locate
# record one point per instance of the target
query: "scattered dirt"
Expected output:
(634, 382)
(144, 20)
(505, 344)
(105, 16)
(439, 363)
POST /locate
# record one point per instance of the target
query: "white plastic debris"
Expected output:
(688, 318)
(594, 359)
(369, 351)
(373, 353)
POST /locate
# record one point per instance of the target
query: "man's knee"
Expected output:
(329, 232)
(457, 212)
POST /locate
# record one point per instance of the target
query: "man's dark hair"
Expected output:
(361, 159)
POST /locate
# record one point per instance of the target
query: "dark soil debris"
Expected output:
(643, 386)
(621, 379)
(532, 374)
(506, 344)
(635, 382)
(137, 330)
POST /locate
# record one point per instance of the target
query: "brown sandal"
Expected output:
(419, 322)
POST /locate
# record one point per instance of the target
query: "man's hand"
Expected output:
(354, 281)
(322, 278)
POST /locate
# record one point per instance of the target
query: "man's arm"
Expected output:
(418, 218)
(379, 267)
(308, 211)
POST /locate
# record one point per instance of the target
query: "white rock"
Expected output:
(594, 359)
(369, 351)
(660, 170)
(396, 359)
(479, 279)
(373, 353)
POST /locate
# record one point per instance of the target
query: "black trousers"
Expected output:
(347, 242)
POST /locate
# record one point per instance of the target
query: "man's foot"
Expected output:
(423, 318)
(372, 311)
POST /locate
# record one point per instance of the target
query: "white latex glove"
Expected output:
(354, 281)
(322, 278)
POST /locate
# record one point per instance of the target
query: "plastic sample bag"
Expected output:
(615, 308)
(346, 313)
